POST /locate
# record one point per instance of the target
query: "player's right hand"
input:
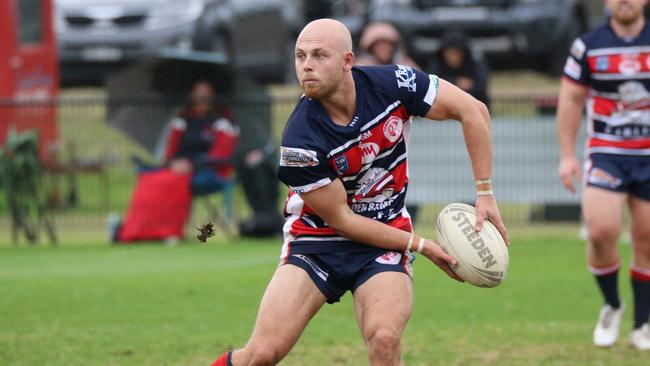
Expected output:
(434, 252)
(569, 170)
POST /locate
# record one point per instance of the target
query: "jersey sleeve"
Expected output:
(416, 89)
(576, 67)
(303, 169)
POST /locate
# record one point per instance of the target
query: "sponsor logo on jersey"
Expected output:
(602, 63)
(342, 164)
(374, 183)
(600, 177)
(295, 157)
(578, 48)
(629, 64)
(634, 95)
(572, 68)
(389, 258)
(366, 135)
(393, 128)
(369, 151)
(405, 78)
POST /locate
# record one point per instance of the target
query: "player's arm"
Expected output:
(569, 114)
(330, 203)
(454, 103)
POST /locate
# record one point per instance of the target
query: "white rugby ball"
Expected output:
(482, 256)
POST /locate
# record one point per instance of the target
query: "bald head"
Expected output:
(329, 31)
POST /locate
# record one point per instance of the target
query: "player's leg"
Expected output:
(383, 307)
(602, 211)
(290, 301)
(640, 272)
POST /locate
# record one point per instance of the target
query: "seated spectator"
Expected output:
(202, 142)
(381, 44)
(455, 63)
(199, 153)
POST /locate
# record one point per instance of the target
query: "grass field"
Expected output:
(91, 304)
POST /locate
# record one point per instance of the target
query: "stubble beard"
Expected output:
(321, 92)
(627, 18)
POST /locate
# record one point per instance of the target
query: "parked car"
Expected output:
(537, 30)
(99, 36)
(96, 36)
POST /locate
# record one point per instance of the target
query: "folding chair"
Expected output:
(220, 211)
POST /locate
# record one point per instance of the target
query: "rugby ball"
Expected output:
(482, 256)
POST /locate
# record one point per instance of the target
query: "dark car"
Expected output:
(540, 31)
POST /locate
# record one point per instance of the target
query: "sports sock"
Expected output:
(641, 289)
(223, 360)
(607, 279)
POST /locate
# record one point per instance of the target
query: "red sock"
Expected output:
(223, 360)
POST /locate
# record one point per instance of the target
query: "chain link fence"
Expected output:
(90, 173)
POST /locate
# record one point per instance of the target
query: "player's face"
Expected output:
(626, 11)
(319, 67)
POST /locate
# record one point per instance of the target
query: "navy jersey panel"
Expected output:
(617, 72)
(368, 154)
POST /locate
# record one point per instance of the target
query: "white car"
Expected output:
(98, 35)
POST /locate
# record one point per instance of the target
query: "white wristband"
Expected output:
(486, 192)
(420, 245)
(410, 244)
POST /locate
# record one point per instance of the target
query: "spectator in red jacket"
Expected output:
(202, 141)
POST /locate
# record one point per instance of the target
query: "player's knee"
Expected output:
(602, 237)
(641, 235)
(384, 339)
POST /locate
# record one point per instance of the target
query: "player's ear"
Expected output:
(349, 61)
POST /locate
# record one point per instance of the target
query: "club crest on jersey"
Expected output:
(629, 65)
(393, 128)
(389, 258)
(342, 164)
(405, 78)
(295, 157)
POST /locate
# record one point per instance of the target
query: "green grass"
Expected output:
(83, 304)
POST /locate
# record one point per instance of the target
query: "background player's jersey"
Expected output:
(618, 72)
(368, 155)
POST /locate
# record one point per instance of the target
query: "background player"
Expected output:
(344, 157)
(609, 68)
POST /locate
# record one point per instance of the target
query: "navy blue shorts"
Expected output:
(619, 173)
(337, 272)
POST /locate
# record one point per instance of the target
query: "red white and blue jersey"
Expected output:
(617, 70)
(368, 155)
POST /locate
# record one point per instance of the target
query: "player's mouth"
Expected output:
(309, 82)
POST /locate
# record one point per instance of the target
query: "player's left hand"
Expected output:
(486, 208)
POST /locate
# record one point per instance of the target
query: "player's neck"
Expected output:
(342, 105)
(631, 30)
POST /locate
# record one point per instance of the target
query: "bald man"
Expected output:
(343, 157)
